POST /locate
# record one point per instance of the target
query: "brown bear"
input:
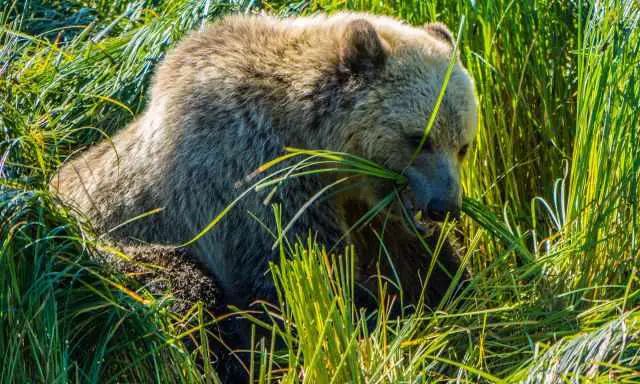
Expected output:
(230, 98)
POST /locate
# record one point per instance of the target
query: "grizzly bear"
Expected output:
(231, 97)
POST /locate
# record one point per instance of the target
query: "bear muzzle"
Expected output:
(437, 210)
(434, 192)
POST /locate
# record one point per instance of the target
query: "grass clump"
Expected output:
(550, 234)
(65, 317)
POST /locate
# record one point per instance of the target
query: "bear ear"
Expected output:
(440, 32)
(362, 50)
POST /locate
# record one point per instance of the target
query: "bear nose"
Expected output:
(438, 209)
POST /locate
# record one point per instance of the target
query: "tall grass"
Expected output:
(550, 235)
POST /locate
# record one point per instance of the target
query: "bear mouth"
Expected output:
(418, 217)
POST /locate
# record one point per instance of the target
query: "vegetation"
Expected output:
(551, 231)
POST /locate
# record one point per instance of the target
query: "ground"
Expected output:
(173, 270)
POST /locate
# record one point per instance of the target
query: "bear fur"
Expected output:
(231, 97)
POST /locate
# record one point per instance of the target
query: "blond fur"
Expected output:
(231, 97)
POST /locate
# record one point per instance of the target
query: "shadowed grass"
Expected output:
(550, 234)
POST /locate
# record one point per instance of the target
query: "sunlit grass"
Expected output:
(550, 232)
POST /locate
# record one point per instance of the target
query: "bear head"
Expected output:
(401, 70)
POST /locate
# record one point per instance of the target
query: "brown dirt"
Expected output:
(164, 269)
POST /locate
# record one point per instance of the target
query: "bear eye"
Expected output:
(426, 147)
(463, 150)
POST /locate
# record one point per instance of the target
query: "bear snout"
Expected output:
(435, 195)
(438, 209)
